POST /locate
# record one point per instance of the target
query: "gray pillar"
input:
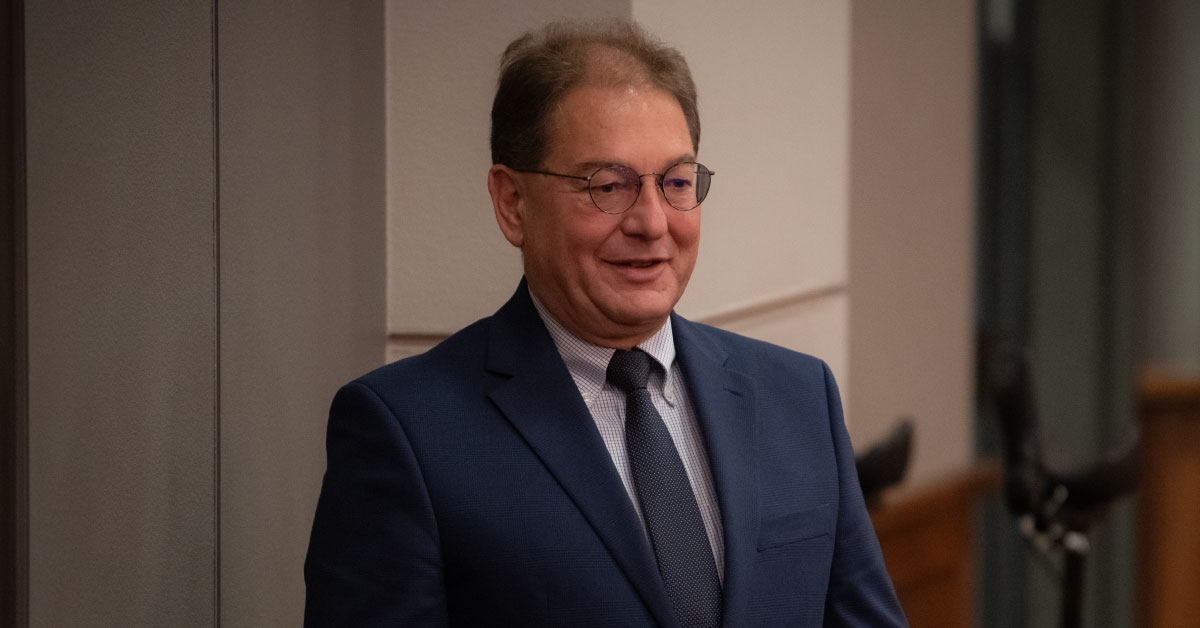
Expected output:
(302, 273)
(205, 266)
(122, 299)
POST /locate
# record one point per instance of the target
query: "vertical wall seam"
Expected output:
(1108, 206)
(20, 252)
(216, 288)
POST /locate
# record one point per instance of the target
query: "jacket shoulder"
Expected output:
(458, 356)
(748, 354)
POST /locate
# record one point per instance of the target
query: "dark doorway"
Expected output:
(1055, 257)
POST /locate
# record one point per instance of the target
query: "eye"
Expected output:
(676, 184)
(613, 180)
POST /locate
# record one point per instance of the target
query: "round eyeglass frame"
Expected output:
(658, 183)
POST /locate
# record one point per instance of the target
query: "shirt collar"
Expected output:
(588, 362)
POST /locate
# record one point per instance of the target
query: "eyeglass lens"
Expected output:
(615, 189)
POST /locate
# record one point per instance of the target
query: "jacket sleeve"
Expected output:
(860, 593)
(373, 557)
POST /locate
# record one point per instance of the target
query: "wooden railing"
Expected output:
(1169, 517)
(928, 541)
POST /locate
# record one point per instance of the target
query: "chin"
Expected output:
(638, 315)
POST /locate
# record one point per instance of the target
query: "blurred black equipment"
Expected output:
(1054, 509)
(884, 464)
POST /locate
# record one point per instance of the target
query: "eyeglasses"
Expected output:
(614, 189)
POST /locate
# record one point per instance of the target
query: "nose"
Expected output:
(648, 217)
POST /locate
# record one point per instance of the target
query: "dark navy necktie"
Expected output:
(685, 558)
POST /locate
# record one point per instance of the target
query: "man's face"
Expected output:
(609, 279)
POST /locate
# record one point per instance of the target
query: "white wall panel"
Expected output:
(912, 226)
(1166, 190)
(773, 79)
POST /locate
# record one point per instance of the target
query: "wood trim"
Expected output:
(928, 541)
(415, 339)
(767, 305)
(1169, 507)
(1167, 393)
(720, 318)
(911, 506)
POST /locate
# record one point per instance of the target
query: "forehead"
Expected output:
(621, 124)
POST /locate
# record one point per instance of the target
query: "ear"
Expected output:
(508, 203)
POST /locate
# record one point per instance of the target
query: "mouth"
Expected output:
(637, 263)
(639, 270)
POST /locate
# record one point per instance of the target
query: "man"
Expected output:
(584, 457)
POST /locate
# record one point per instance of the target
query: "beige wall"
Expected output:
(912, 191)
(205, 247)
(1165, 193)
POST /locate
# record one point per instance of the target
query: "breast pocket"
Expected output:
(797, 526)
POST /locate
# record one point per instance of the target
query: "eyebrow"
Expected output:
(596, 164)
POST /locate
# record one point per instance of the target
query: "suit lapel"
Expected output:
(542, 402)
(724, 403)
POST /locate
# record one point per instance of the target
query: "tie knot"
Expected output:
(629, 369)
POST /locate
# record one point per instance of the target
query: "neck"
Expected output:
(612, 336)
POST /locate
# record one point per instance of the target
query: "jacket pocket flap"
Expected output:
(796, 526)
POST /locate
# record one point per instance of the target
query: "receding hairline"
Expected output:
(606, 66)
(539, 68)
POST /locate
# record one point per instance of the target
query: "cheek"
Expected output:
(586, 237)
(686, 230)
(552, 236)
(570, 253)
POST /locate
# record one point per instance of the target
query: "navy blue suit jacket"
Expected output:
(469, 486)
